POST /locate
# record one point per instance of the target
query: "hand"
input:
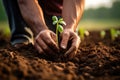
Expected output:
(45, 42)
(69, 37)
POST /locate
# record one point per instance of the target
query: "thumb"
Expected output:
(65, 39)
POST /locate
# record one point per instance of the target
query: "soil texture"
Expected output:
(96, 59)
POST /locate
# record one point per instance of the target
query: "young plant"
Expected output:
(102, 34)
(59, 26)
(83, 33)
(114, 33)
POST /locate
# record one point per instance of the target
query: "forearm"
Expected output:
(32, 14)
(72, 12)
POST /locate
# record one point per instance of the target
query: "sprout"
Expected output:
(59, 25)
(87, 33)
(118, 32)
(114, 33)
(102, 34)
(83, 33)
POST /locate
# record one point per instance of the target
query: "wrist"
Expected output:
(38, 28)
(69, 27)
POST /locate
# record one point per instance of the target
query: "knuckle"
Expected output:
(66, 34)
(45, 48)
(36, 40)
(49, 42)
(39, 49)
(41, 35)
(38, 37)
(74, 47)
(40, 52)
(53, 35)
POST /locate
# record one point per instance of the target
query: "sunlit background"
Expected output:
(98, 3)
(101, 14)
(98, 15)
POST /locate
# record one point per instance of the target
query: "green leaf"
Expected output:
(61, 19)
(113, 34)
(60, 28)
(62, 22)
(54, 18)
(54, 22)
(118, 32)
(81, 33)
(102, 34)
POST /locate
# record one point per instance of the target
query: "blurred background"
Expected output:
(101, 14)
(98, 15)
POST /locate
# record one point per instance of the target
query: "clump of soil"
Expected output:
(97, 59)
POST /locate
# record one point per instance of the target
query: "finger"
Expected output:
(44, 47)
(39, 49)
(71, 53)
(74, 47)
(65, 39)
(51, 43)
(53, 36)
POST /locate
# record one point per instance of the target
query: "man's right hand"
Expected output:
(45, 43)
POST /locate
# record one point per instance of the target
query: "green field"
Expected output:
(99, 24)
(87, 24)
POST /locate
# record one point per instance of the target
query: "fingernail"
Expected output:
(63, 47)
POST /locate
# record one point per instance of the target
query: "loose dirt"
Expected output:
(97, 59)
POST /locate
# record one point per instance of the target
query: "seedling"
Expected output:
(114, 33)
(102, 34)
(59, 25)
(83, 33)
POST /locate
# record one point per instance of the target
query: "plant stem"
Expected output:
(57, 34)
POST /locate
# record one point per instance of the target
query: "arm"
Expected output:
(72, 12)
(33, 15)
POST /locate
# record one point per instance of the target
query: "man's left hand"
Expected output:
(70, 37)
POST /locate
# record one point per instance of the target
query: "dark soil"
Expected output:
(97, 59)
